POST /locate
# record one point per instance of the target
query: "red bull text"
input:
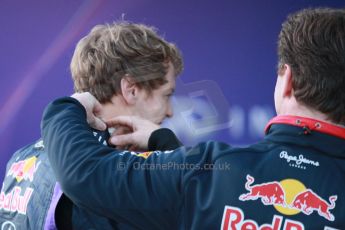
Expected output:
(233, 219)
(14, 201)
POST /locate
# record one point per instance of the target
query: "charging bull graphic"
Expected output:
(305, 200)
(308, 201)
(270, 193)
(24, 169)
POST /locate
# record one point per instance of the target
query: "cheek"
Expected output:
(277, 98)
(152, 110)
(158, 109)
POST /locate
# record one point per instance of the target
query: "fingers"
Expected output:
(96, 122)
(92, 107)
(97, 107)
(121, 129)
(140, 131)
(99, 124)
(122, 120)
(122, 140)
(134, 148)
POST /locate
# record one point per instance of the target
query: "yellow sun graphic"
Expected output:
(291, 188)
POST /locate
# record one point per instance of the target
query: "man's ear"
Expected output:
(287, 81)
(129, 90)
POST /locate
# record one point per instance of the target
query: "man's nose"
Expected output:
(170, 111)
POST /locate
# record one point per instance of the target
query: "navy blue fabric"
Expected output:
(209, 186)
(39, 200)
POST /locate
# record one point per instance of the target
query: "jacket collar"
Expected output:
(307, 132)
(308, 124)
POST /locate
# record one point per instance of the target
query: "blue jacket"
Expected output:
(31, 197)
(293, 179)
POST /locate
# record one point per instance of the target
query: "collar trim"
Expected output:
(308, 124)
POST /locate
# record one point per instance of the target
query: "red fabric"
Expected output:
(309, 123)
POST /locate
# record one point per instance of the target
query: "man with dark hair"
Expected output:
(292, 179)
(131, 70)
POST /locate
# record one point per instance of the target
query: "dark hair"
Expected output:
(312, 42)
(110, 52)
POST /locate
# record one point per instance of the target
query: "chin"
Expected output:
(157, 122)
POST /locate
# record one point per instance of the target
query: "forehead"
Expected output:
(170, 76)
(167, 87)
(171, 80)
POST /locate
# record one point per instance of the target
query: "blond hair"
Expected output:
(110, 52)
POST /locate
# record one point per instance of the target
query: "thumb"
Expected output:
(97, 107)
(122, 120)
(97, 123)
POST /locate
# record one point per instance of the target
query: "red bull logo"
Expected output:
(289, 197)
(269, 193)
(308, 202)
(24, 170)
(234, 219)
(14, 201)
